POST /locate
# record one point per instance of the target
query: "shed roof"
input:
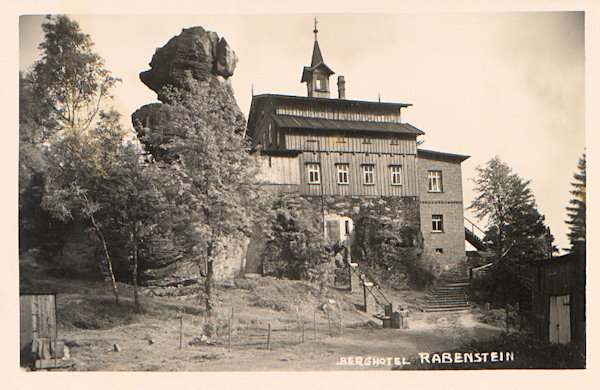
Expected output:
(441, 155)
(300, 122)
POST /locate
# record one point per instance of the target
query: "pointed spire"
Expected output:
(317, 57)
(252, 88)
(316, 76)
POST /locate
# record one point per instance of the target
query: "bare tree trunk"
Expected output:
(134, 246)
(208, 280)
(208, 288)
(108, 260)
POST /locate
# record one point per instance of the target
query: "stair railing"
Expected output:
(474, 228)
(362, 276)
(479, 271)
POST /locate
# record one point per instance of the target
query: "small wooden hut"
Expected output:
(559, 299)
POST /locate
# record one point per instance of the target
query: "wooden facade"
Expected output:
(38, 328)
(357, 155)
(558, 302)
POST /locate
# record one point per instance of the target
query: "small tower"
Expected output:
(317, 74)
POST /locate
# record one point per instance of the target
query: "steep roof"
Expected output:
(315, 63)
(317, 57)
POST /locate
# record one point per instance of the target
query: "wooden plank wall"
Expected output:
(559, 278)
(340, 113)
(382, 187)
(280, 170)
(380, 144)
(38, 317)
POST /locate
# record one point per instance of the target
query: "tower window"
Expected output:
(437, 223)
(396, 172)
(368, 175)
(347, 227)
(321, 84)
(439, 250)
(314, 173)
(435, 181)
(342, 173)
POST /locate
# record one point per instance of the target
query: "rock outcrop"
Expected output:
(198, 64)
(191, 62)
(195, 53)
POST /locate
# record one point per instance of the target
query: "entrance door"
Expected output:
(332, 228)
(560, 319)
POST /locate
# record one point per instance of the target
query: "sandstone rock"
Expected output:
(226, 59)
(198, 63)
(195, 52)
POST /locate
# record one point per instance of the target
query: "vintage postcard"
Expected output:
(280, 191)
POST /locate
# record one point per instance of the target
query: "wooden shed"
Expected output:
(559, 299)
(39, 342)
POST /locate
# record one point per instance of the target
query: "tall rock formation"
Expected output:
(197, 64)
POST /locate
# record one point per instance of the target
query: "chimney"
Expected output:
(341, 87)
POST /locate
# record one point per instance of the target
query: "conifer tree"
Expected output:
(576, 212)
(516, 233)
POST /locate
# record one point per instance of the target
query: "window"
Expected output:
(368, 175)
(396, 171)
(314, 173)
(270, 135)
(340, 139)
(437, 223)
(321, 85)
(439, 250)
(435, 181)
(347, 227)
(395, 141)
(366, 141)
(342, 173)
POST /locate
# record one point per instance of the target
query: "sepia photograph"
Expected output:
(294, 191)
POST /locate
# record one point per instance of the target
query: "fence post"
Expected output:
(329, 323)
(269, 336)
(180, 331)
(229, 335)
(341, 317)
(302, 325)
(315, 324)
(365, 295)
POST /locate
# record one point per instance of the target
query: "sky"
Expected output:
(482, 84)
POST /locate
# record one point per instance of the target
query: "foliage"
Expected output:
(207, 148)
(515, 228)
(391, 251)
(70, 80)
(295, 242)
(34, 223)
(516, 233)
(576, 212)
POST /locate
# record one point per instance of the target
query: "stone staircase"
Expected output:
(450, 296)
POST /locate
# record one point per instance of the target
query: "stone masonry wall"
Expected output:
(402, 209)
